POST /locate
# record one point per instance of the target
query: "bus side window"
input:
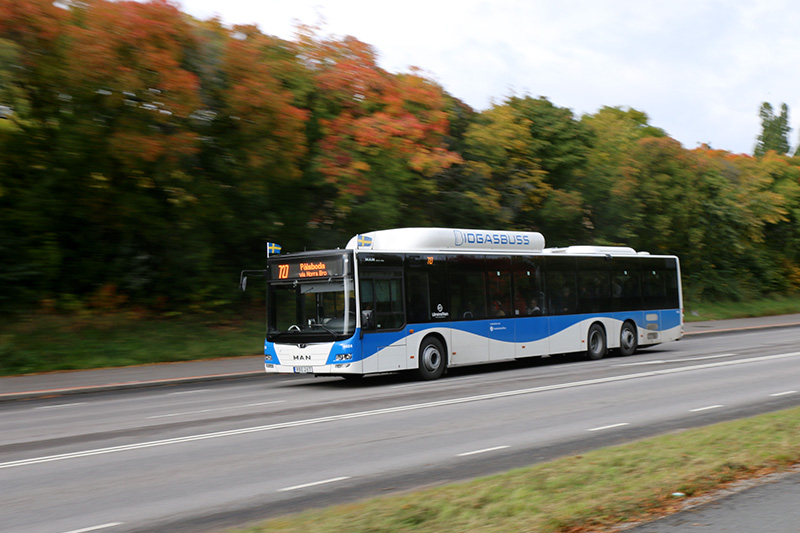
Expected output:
(388, 303)
(528, 295)
(426, 288)
(594, 285)
(467, 277)
(418, 300)
(560, 284)
(498, 278)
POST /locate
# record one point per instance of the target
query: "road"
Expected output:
(198, 456)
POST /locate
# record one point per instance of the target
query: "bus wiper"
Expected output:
(323, 326)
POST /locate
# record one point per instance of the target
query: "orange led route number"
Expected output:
(283, 271)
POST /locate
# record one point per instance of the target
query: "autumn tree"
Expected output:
(254, 144)
(614, 132)
(103, 134)
(147, 156)
(531, 155)
(32, 34)
(381, 137)
(502, 151)
(461, 199)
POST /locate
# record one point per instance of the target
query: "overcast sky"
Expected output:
(699, 68)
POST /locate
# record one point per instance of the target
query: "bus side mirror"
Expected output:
(244, 273)
(367, 319)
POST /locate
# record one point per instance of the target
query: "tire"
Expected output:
(432, 359)
(596, 342)
(628, 341)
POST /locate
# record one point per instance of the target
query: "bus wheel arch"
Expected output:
(628, 338)
(432, 357)
(596, 342)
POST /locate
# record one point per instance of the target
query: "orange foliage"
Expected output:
(133, 53)
(398, 117)
(268, 122)
(31, 22)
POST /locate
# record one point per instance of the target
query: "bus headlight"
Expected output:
(344, 357)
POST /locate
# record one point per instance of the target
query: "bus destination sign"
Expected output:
(307, 268)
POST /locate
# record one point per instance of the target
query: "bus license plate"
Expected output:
(303, 369)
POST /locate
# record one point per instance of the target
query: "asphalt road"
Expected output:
(769, 506)
(203, 452)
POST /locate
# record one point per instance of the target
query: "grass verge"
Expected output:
(45, 343)
(597, 490)
(48, 342)
(768, 306)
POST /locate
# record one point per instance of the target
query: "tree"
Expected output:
(774, 130)
(381, 137)
(502, 151)
(614, 135)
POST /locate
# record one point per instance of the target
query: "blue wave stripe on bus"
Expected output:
(519, 329)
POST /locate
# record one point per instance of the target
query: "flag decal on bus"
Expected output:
(364, 241)
(273, 249)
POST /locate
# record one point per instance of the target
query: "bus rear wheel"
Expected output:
(432, 359)
(596, 341)
(627, 339)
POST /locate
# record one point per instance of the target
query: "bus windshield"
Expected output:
(311, 311)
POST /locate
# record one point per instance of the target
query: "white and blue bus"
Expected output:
(427, 299)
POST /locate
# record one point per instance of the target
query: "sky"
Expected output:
(700, 69)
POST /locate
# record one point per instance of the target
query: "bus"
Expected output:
(429, 299)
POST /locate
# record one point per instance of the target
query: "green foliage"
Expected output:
(774, 130)
(147, 151)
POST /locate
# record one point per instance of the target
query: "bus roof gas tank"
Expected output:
(448, 239)
(595, 250)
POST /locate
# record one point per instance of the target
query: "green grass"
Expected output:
(768, 306)
(44, 342)
(596, 490)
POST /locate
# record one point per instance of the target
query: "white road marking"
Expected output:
(612, 426)
(706, 357)
(189, 391)
(214, 409)
(313, 484)
(389, 410)
(707, 408)
(784, 393)
(476, 452)
(95, 528)
(663, 362)
(59, 406)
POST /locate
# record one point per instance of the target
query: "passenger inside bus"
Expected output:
(497, 309)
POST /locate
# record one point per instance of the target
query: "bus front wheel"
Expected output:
(432, 359)
(596, 340)
(627, 339)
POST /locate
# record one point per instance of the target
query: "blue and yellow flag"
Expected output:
(364, 241)
(273, 249)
